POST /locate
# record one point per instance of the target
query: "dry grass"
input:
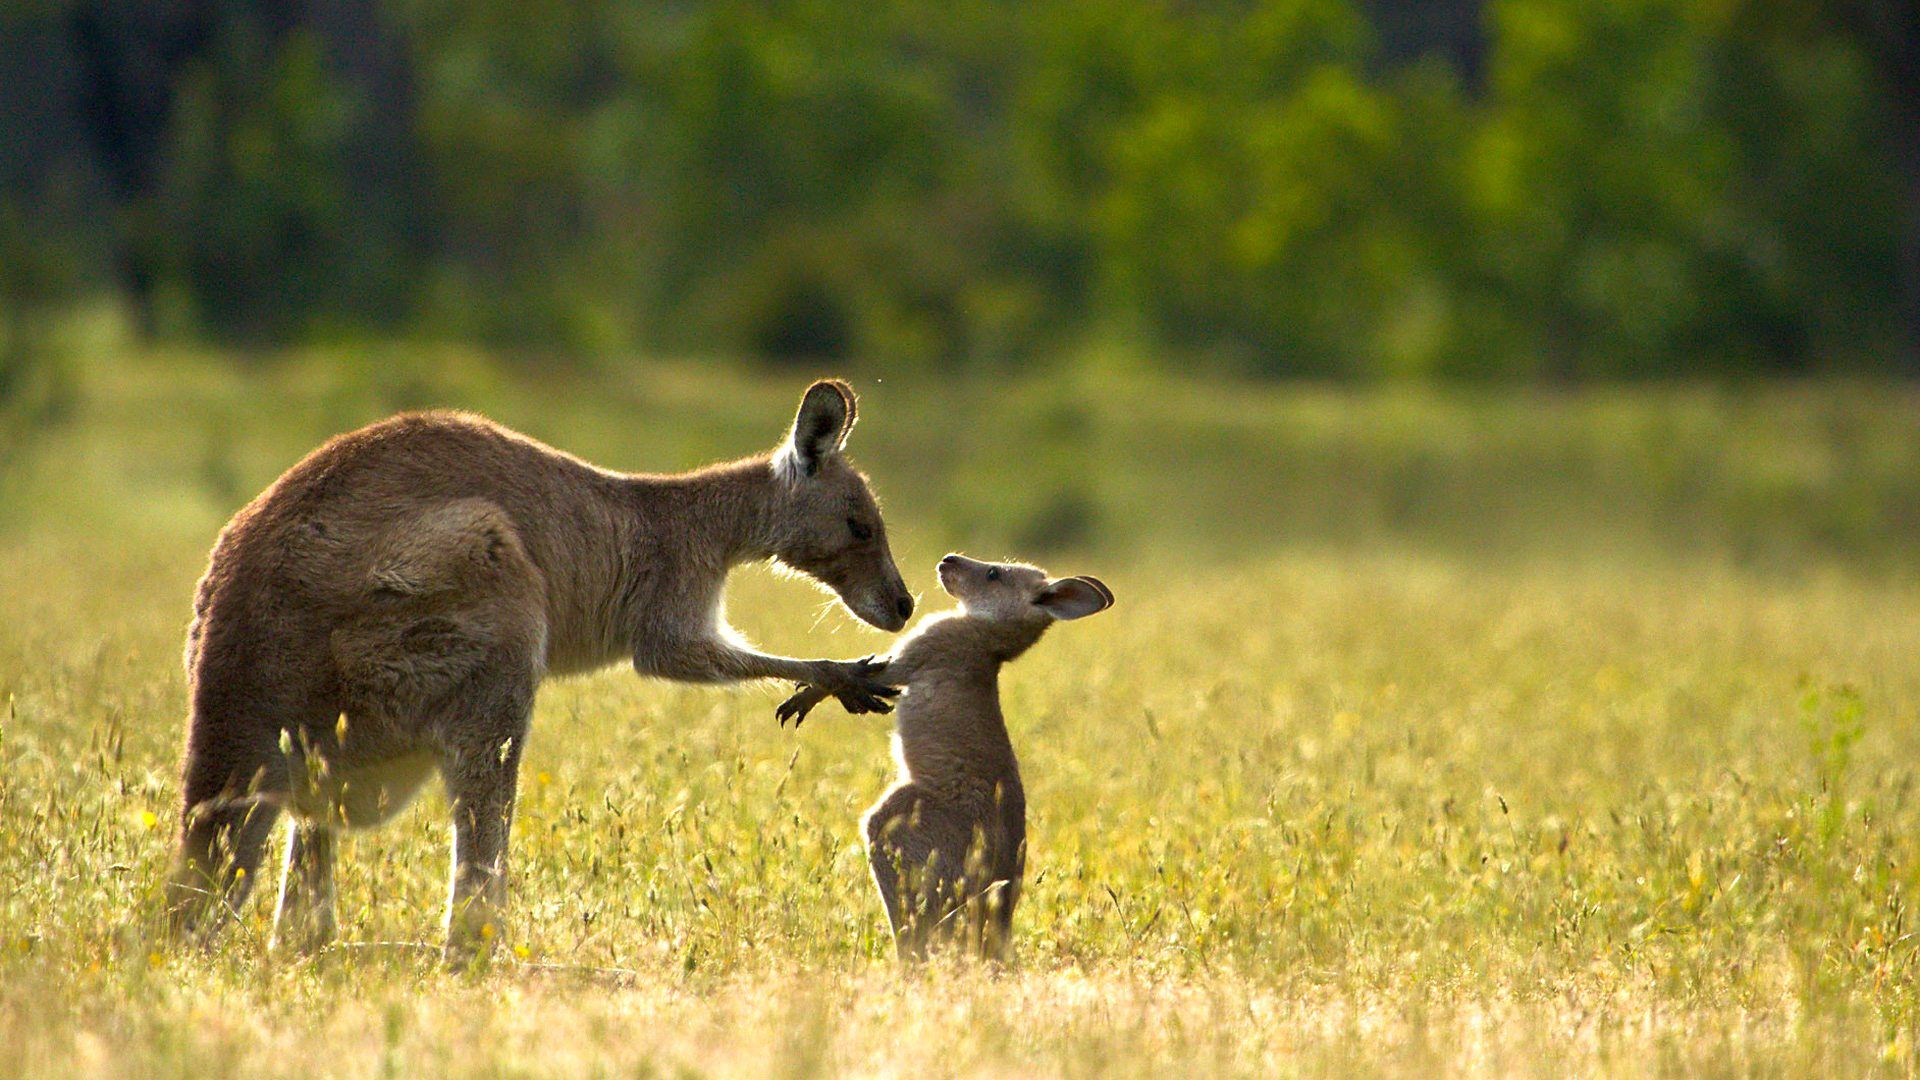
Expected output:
(1410, 806)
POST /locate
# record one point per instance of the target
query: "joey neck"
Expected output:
(980, 646)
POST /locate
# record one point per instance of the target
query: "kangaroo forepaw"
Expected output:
(856, 685)
(799, 705)
(868, 698)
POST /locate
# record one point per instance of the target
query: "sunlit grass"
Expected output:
(1408, 804)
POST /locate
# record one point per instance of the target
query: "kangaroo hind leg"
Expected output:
(481, 764)
(304, 918)
(222, 843)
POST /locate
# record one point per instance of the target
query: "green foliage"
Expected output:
(1654, 182)
(252, 224)
(35, 384)
(1648, 187)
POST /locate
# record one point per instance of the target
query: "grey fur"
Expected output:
(388, 608)
(948, 842)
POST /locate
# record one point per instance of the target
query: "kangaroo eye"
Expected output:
(859, 529)
(993, 573)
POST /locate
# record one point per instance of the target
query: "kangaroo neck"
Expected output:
(648, 561)
(714, 518)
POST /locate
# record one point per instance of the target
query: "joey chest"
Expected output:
(953, 739)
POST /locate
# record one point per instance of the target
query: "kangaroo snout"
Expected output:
(901, 603)
(886, 607)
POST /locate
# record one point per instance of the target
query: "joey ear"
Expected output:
(820, 430)
(1075, 597)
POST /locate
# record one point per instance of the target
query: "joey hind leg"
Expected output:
(887, 872)
(304, 918)
(481, 766)
(886, 826)
(914, 869)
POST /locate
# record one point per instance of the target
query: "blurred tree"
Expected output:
(48, 182)
(198, 137)
(34, 385)
(1372, 188)
(1453, 30)
(46, 188)
(1887, 32)
(1658, 192)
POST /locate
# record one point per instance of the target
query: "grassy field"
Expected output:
(1434, 733)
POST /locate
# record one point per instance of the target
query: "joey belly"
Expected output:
(960, 762)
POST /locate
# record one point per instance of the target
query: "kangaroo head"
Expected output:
(827, 524)
(1016, 592)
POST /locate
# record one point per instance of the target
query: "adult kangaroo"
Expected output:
(388, 607)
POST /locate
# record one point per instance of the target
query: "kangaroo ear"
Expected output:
(820, 430)
(1075, 597)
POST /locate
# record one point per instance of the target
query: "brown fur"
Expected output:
(948, 842)
(389, 606)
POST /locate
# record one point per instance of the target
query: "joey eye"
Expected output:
(993, 573)
(859, 529)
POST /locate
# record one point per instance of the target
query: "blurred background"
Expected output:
(1434, 268)
(1537, 189)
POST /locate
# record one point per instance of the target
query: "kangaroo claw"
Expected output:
(796, 707)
